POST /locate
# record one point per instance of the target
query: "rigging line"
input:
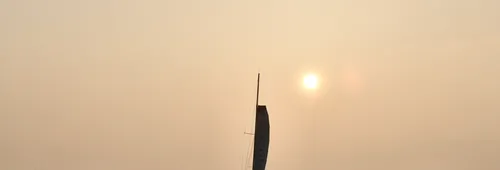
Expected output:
(250, 154)
(244, 158)
(252, 127)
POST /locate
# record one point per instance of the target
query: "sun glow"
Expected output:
(311, 81)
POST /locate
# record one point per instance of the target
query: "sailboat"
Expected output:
(260, 135)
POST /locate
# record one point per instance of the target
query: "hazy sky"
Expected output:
(156, 85)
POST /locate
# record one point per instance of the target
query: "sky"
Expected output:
(125, 85)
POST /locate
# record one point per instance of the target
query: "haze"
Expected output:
(126, 85)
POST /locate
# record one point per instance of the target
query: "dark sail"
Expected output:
(261, 138)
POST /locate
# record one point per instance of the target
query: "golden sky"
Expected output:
(121, 84)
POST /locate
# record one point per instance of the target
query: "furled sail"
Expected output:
(261, 138)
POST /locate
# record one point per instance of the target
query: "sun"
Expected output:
(311, 81)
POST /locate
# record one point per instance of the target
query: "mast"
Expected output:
(258, 85)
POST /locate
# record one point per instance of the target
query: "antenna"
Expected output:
(258, 84)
